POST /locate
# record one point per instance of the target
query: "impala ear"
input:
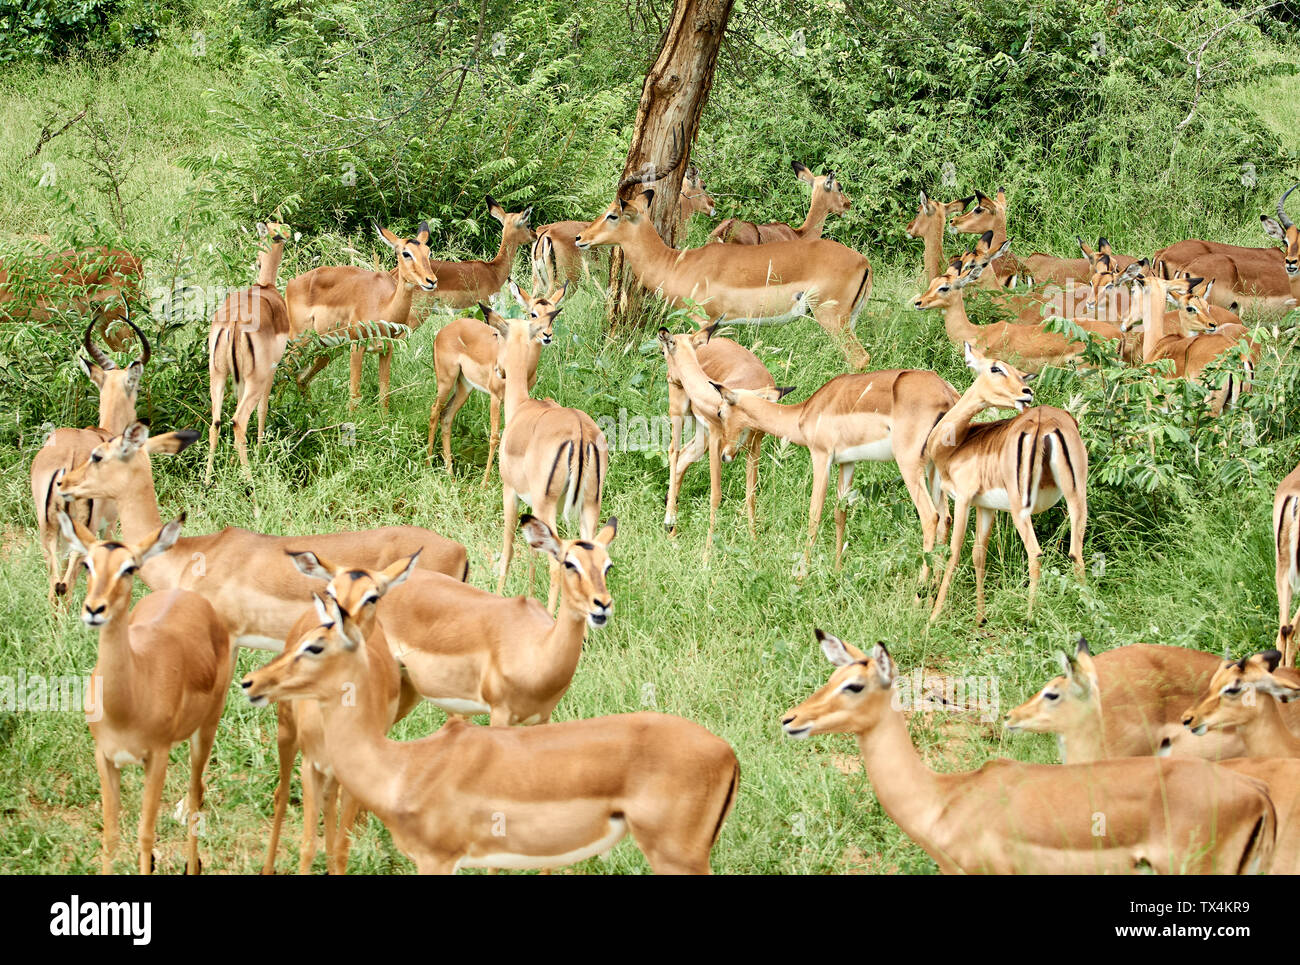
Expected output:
(783, 390)
(836, 650)
(78, 537)
(161, 541)
(494, 209)
(540, 536)
(134, 372)
(520, 295)
(349, 631)
(93, 371)
(801, 172)
(495, 320)
(557, 296)
(389, 238)
(322, 611)
(884, 664)
(649, 195)
(422, 233)
(170, 443)
(704, 335)
(395, 574)
(666, 339)
(1272, 228)
(309, 564)
(134, 438)
(607, 532)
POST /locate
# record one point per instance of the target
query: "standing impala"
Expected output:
(552, 457)
(827, 198)
(698, 365)
(334, 299)
(472, 652)
(1286, 569)
(499, 797)
(245, 575)
(246, 342)
(468, 354)
(1120, 817)
(749, 284)
(860, 417)
(1021, 466)
(463, 284)
(67, 448)
(556, 257)
(160, 679)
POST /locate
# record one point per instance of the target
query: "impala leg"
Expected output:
(754, 452)
(349, 810)
(979, 556)
(687, 457)
(263, 407)
(69, 575)
(715, 488)
(155, 771)
(110, 792)
(1077, 507)
(200, 751)
(841, 509)
(1025, 527)
(494, 434)
(356, 360)
(286, 742)
(460, 392)
(960, 515)
(330, 812)
(914, 479)
(553, 565)
(510, 506)
(385, 372)
(50, 550)
(243, 415)
(311, 798)
(217, 393)
(839, 327)
(676, 419)
(821, 462)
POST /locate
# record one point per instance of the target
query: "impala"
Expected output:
(245, 575)
(68, 448)
(1263, 278)
(928, 225)
(1126, 702)
(1120, 817)
(989, 215)
(827, 198)
(860, 417)
(1021, 466)
(697, 365)
(471, 652)
(357, 302)
(556, 257)
(97, 282)
(160, 679)
(552, 457)
(245, 343)
(463, 284)
(754, 284)
(498, 797)
(1286, 571)
(468, 354)
(1244, 695)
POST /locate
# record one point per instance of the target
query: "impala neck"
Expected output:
(519, 366)
(500, 265)
(647, 256)
(816, 220)
(950, 431)
(957, 324)
(775, 419)
(1087, 743)
(907, 789)
(564, 639)
(268, 264)
(115, 413)
(398, 309)
(935, 265)
(1267, 734)
(115, 667)
(1153, 320)
(137, 508)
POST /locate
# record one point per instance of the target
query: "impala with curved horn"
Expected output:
(827, 198)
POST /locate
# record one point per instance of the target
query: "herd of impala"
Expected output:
(1172, 760)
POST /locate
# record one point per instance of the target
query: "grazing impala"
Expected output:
(100, 283)
(245, 343)
(468, 354)
(472, 652)
(1127, 702)
(860, 417)
(698, 365)
(928, 225)
(1244, 695)
(556, 258)
(552, 457)
(827, 198)
(749, 284)
(1266, 279)
(246, 576)
(160, 679)
(1119, 816)
(346, 299)
(67, 448)
(1021, 466)
(500, 797)
(463, 284)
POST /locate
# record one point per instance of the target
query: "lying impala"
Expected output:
(499, 797)
(1119, 816)
(1263, 278)
(1071, 707)
(556, 257)
(1021, 466)
(698, 364)
(471, 652)
(1127, 702)
(989, 215)
(928, 225)
(345, 299)
(827, 198)
(1244, 695)
(246, 341)
(160, 679)
(97, 282)
(864, 417)
(463, 284)
(246, 576)
(68, 448)
(749, 284)
(552, 457)
(468, 355)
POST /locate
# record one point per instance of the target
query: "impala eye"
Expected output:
(408, 256)
(96, 457)
(611, 217)
(996, 370)
(569, 565)
(944, 288)
(1051, 695)
(854, 687)
(1231, 690)
(313, 648)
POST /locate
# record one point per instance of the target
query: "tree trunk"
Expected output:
(674, 94)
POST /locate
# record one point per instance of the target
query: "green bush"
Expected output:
(43, 29)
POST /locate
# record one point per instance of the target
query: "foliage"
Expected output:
(42, 29)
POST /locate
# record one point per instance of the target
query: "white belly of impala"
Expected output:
(882, 450)
(505, 859)
(123, 758)
(1047, 497)
(994, 499)
(256, 641)
(457, 705)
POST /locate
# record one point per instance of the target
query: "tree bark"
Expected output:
(674, 94)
